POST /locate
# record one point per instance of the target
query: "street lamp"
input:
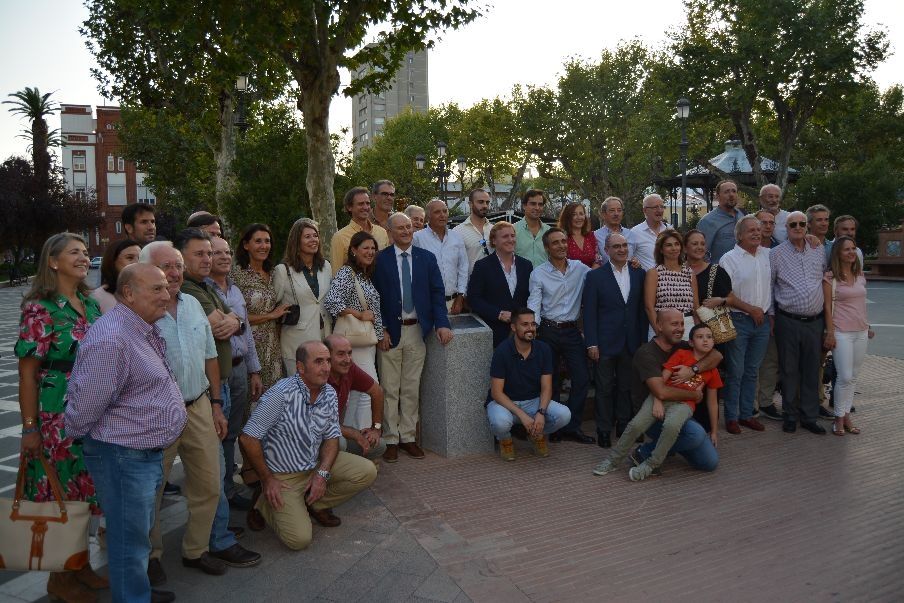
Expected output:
(683, 109)
(241, 84)
(441, 173)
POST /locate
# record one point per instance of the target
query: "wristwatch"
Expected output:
(377, 426)
(324, 474)
(696, 369)
(242, 325)
(541, 411)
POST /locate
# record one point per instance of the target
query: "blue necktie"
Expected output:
(407, 300)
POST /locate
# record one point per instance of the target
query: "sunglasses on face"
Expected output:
(797, 224)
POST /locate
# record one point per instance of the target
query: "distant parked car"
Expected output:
(95, 261)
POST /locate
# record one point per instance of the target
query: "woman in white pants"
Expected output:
(847, 329)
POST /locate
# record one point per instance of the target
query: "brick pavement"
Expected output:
(784, 518)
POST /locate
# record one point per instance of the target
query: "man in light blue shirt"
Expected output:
(529, 231)
(450, 252)
(718, 226)
(556, 287)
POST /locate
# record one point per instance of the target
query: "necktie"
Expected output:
(407, 300)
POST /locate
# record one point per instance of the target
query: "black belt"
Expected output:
(238, 360)
(451, 297)
(190, 402)
(64, 366)
(800, 317)
(409, 321)
(565, 324)
(689, 313)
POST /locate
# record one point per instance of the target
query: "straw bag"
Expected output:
(360, 333)
(43, 536)
(718, 319)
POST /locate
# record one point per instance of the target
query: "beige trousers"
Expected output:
(292, 524)
(199, 449)
(400, 376)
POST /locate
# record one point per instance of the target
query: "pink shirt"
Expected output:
(849, 309)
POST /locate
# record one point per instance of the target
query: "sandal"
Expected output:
(851, 429)
(839, 431)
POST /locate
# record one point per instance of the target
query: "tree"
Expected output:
(742, 58)
(34, 106)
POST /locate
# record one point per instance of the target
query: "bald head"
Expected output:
(143, 288)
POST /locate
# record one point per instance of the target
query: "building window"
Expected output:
(118, 226)
(363, 124)
(78, 161)
(121, 164)
(116, 194)
(80, 193)
(109, 126)
(379, 121)
(379, 107)
(111, 164)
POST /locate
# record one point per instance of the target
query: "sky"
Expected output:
(516, 42)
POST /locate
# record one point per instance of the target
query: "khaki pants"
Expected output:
(199, 449)
(292, 524)
(400, 376)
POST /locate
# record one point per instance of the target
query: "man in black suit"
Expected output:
(615, 325)
(499, 283)
(412, 304)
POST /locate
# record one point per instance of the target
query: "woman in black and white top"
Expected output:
(303, 278)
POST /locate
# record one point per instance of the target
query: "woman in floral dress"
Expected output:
(253, 274)
(56, 314)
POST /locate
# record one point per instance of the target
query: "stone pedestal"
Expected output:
(454, 387)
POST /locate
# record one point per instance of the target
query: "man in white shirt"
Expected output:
(475, 231)
(450, 252)
(646, 233)
(751, 297)
(770, 200)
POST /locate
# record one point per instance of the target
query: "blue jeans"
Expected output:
(743, 357)
(220, 536)
(127, 481)
(502, 419)
(693, 444)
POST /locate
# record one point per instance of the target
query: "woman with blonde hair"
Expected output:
(56, 315)
(847, 327)
(303, 279)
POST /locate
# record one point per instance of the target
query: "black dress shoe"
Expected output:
(813, 428)
(156, 575)
(237, 556)
(604, 440)
(207, 563)
(789, 426)
(578, 436)
(162, 596)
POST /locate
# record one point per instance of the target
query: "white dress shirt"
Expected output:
(451, 256)
(644, 242)
(751, 276)
(623, 278)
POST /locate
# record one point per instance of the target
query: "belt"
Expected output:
(238, 360)
(451, 297)
(407, 322)
(64, 366)
(689, 313)
(565, 324)
(800, 317)
(190, 402)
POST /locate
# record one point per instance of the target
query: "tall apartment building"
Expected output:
(93, 161)
(408, 89)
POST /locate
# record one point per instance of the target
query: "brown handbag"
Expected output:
(43, 536)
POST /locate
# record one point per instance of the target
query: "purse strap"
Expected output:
(713, 268)
(55, 486)
(291, 283)
(360, 291)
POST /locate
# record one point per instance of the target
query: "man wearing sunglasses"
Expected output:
(797, 311)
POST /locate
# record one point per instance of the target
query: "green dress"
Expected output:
(51, 331)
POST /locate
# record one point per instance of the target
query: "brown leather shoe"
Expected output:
(413, 450)
(324, 517)
(63, 586)
(392, 453)
(88, 577)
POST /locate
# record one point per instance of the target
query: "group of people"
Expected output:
(313, 366)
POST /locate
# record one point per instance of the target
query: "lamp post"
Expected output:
(241, 84)
(441, 173)
(683, 108)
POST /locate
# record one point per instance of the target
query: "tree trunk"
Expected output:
(224, 155)
(315, 107)
(749, 144)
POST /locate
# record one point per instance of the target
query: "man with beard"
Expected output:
(475, 231)
(718, 226)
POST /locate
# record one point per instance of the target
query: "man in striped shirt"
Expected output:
(292, 442)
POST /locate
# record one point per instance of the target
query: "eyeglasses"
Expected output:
(386, 194)
(797, 224)
(167, 266)
(655, 207)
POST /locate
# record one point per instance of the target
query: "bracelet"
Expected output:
(29, 430)
(29, 421)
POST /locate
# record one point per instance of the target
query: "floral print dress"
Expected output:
(50, 331)
(260, 298)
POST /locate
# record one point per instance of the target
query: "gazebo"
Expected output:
(732, 163)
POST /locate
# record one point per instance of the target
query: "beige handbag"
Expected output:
(43, 536)
(718, 319)
(360, 333)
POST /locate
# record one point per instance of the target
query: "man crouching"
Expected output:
(292, 442)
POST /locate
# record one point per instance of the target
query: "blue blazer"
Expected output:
(426, 287)
(488, 293)
(609, 322)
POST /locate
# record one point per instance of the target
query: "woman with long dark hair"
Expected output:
(115, 259)
(56, 315)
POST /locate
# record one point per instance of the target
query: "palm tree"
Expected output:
(35, 107)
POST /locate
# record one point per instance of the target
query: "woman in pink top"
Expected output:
(847, 329)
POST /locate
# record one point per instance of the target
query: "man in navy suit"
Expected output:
(499, 284)
(412, 304)
(615, 325)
